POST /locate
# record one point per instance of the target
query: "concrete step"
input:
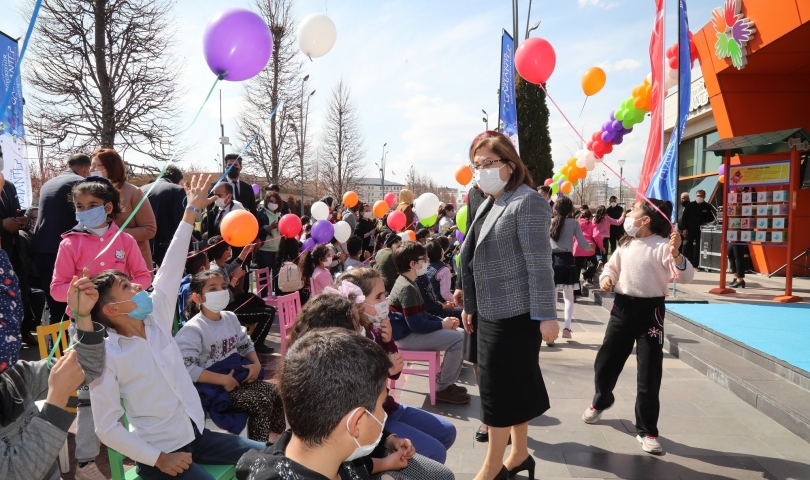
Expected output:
(767, 384)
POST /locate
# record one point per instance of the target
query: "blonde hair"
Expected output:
(406, 196)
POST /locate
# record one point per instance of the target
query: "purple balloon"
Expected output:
(607, 136)
(625, 131)
(323, 231)
(256, 188)
(617, 136)
(309, 244)
(618, 141)
(239, 42)
(613, 116)
(607, 126)
(722, 170)
(560, 182)
(617, 126)
(459, 236)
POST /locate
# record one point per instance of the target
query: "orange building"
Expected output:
(767, 90)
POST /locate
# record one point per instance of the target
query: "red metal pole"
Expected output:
(724, 231)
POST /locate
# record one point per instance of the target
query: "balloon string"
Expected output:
(621, 179)
(7, 97)
(162, 172)
(255, 135)
(583, 107)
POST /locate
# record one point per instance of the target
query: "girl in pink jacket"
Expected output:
(586, 259)
(603, 221)
(96, 202)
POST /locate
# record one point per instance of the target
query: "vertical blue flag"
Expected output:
(507, 109)
(665, 180)
(15, 165)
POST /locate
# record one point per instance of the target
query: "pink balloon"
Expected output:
(535, 60)
(396, 220)
(390, 199)
(548, 182)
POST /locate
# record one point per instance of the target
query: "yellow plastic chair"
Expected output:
(43, 335)
(219, 472)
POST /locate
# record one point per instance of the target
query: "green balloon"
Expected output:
(627, 103)
(639, 116)
(461, 219)
(555, 187)
(557, 177)
(428, 221)
(627, 123)
(619, 115)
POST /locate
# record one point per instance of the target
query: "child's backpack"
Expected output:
(289, 278)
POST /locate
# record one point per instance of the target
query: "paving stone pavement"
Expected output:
(706, 432)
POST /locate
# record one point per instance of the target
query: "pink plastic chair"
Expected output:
(433, 359)
(288, 307)
(264, 287)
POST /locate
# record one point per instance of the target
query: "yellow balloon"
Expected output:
(593, 80)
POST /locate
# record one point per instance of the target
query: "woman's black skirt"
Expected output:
(510, 382)
(566, 273)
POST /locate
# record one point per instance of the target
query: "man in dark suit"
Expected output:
(242, 191)
(14, 220)
(615, 210)
(167, 202)
(695, 214)
(680, 224)
(56, 216)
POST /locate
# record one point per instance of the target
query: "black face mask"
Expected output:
(685, 203)
(233, 173)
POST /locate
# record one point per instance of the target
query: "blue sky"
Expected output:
(421, 71)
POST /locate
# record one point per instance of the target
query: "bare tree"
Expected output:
(341, 149)
(103, 74)
(274, 153)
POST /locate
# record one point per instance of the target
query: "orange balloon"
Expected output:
(722, 179)
(464, 174)
(380, 208)
(412, 235)
(572, 162)
(565, 169)
(566, 187)
(582, 172)
(239, 228)
(350, 199)
(593, 80)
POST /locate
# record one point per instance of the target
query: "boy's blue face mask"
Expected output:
(93, 218)
(143, 305)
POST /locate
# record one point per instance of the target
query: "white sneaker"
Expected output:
(649, 444)
(566, 333)
(89, 472)
(591, 415)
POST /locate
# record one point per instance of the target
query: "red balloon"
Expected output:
(548, 182)
(597, 136)
(289, 225)
(390, 199)
(599, 148)
(589, 145)
(396, 220)
(535, 60)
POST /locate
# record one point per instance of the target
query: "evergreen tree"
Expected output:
(535, 140)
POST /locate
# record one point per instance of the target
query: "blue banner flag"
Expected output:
(12, 134)
(507, 108)
(664, 183)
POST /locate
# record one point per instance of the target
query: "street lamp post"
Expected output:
(302, 128)
(486, 118)
(382, 168)
(621, 187)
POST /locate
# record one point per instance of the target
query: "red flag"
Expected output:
(652, 157)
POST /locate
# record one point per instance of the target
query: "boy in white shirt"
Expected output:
(145, 369)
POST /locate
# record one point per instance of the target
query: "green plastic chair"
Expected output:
(219, 472)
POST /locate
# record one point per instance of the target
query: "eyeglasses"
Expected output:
(488, 163)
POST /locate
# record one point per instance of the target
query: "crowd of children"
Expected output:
(343, 347)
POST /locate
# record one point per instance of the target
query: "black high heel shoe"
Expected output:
(502, 475)
(527, 464)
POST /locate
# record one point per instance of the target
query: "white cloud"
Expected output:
(598, 3)
(624, 64)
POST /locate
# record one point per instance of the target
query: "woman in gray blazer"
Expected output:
(507, 280)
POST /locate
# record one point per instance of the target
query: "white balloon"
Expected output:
(649, 78)
(581, 156)
(590, 161)
(316, 35)
(672, 78)
(342, 231)
(320, 211)
(426, 205)
(404, 236)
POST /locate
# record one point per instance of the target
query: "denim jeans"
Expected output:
(448, 341)
(430, 434)
(208, 448)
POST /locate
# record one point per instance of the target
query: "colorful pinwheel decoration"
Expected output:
(733, 32)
